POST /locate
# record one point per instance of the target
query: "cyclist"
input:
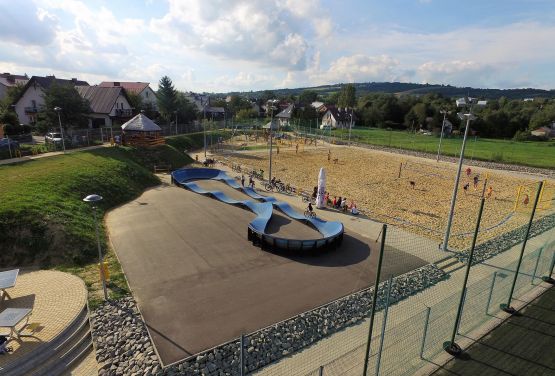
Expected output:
(273, 182)
(309, 208)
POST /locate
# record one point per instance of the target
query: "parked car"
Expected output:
(53, 137)
(6, 144)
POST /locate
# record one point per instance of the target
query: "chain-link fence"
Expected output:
(413, 342)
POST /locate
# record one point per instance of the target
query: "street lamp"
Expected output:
(470, 103)
(93, 199)
(58, 109)
(444, 112)
(350, 127)
(271, 139)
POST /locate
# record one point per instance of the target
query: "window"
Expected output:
(147, 94)
(33, 103)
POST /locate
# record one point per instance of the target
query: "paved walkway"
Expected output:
(56, 298)
(49, 154)
(522, 345)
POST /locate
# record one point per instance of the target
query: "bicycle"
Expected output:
(309, 214)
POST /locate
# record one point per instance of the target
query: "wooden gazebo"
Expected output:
(141, 131)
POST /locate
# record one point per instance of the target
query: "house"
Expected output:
(8, 80)
(318, 106)
(214, 113)
(337, 118)
(108, 105)
(547, 131)
(142, 89)
(201, 101)
(31, 98)
(284, 117)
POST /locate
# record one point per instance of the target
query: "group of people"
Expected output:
(340, 203)
(475, 181)
(251, 181)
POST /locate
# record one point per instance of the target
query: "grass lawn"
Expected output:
(529, 153)
(45, 223)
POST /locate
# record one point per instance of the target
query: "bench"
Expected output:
(7, 280)
(11, 317)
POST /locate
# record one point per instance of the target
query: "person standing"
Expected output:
(242, 180)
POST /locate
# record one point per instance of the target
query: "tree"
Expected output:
(308, 96)
(186, 111)
(246, 113)
(267, 95)
(347, 96)
(74, 108)
(167, 98)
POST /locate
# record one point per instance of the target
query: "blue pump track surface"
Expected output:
(332, 232)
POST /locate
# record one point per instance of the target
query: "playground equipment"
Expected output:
(332, 232)
(525, 194)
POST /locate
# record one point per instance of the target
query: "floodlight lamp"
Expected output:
(57, 109)
(92, 198)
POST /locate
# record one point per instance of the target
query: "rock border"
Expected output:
(123, 346)
(506, 241)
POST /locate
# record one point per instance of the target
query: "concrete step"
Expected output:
(449, 264)
(49, 353)
(66, 354)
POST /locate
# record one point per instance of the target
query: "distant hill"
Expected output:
(412, 89)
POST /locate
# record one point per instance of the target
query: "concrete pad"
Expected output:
(199, 282)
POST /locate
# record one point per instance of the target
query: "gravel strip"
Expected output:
(123, 346)
(506, 241)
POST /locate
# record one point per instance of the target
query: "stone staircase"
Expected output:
(59, 355)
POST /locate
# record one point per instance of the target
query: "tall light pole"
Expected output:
(204, 131)
(93, 199)
(58, 109)
(444, 112)
(462, 102)
(271, 142)
(350, 127)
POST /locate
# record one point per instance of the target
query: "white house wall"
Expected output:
(121, 104)
(148, 95)
(33, 92)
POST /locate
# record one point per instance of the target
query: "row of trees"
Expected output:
(501, 118)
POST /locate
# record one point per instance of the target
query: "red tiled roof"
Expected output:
(134, 87)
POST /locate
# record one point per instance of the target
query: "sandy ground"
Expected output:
(370, 178)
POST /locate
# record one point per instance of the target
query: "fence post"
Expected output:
(491, 291)
(426, 322)
(547, 278)
(536, 266)
(450, 346)
(462, 309)
(507, 307)
(242, 355)
(384, 323)
(374, 300)
(321, 371)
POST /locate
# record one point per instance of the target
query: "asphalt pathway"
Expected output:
(199, 282)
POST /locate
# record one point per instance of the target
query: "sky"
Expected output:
(242, 45)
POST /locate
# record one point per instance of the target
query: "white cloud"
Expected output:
(25, 23)
(270, 33)
(360, 68)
